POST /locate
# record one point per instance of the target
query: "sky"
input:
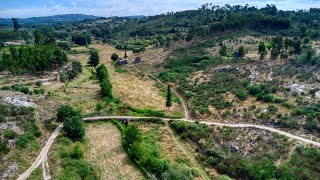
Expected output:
(107, 8)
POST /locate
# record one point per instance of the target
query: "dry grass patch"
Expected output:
(137, 92)
(106, 153)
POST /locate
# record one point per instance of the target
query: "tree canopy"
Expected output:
(94, 58)
(32, 59)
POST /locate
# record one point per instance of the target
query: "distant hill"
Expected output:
(135, 17)
(48, 20)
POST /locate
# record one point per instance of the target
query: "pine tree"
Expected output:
(262, 50)
(169, 98)
(223, 50)
(241, 51)
(125, 54)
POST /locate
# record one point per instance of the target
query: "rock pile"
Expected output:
(18, 100)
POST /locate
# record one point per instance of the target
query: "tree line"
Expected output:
(32, 59)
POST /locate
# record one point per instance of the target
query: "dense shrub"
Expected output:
(106, 88)
(74, 128)
(242, 95)
(9, 134)
(65, 112)
(33, 128)
(78, 169)
(77, 152)
(81, 39)
(143, 150)
(37, 91)
(178, 173)
(24, 139)
(4, 148)
(24, 90)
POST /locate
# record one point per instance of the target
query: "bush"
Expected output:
(74, 128)
(131, 135)
(242, 95)
(4, 148)
(33, 128)
(114, 57)
(9, 134)
(2, 118)
(178, 173)
(37, 91)
(24, 89)
(77, 152)
(26, 111)
(78, 169)
(24, 139)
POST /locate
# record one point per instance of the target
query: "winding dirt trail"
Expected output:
(184, 103)
(42, 156)
(307, 141)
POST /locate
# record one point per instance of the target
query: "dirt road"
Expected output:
(45, 149)
(308, 141)
(42, 156)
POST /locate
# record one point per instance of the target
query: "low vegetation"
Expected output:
(216, 149)
(145, 151)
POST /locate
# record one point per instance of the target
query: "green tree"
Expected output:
(274, 53)
(81, 39)
(132, 135)
(44, 35)
(262, 50)
(94, 58)
(169, 97)
(241, 51)
(15, 24)
(309, 56)
(74, 128)
(125, 54)
(65, 112)
(106, 88)
(297, 47)
(223, 50)
(114, 57)
(102, 72)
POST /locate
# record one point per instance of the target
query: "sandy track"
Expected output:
(43, 154)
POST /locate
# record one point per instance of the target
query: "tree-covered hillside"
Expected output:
(45, 21)
(208, 20)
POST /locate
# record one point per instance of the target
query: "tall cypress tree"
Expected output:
(169, 97)
(94, 58)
